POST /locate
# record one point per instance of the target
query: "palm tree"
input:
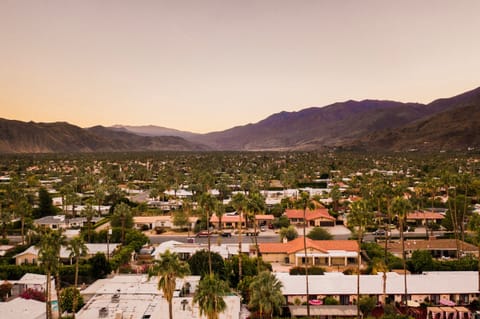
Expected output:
(24, 211)
(168, 269)
(401, 207)
(255, 205)
(360, 217)
(48, 257)
(208, 203)
(239, 203)
(266, 294)
(89, 213)
(305, 202)
(379, 265)
(77, 249)
(209, 296)
(123, 213)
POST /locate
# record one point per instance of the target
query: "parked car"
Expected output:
(263, 228)
(226, 234)
(203, 233)
(379, 232)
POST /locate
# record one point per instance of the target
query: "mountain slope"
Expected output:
(327, 126)
(152, 130)
(31, 137)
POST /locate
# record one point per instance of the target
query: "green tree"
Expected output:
(180, 219)
(209, 296)
(100, 267)
(360, 217)
(122, 217)
(239, 202)
(367, 304)
(72, 300)
(255, 205)
(89, 213)
(77, 249)
(199, 264)
(421, 261)
(168, 269)
(45, 204)
(319, 233)
(304, 203)
(400, 208)
(208, 203)
(266, 294)
(290, 233)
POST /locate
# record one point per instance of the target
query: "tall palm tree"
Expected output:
(304, 202)
(239, 203)
(89, 213)
(59, 240)
(168, 269)
(266, 294)
(360, 217)
(48, 258)
(209, 296)
(379, 265)
(400, 208)
(77, 249)
(123, 213)
(208, 203)
(255, 205)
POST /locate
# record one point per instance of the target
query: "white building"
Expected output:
(134, 296)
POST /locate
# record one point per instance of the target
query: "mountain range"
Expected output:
(444, 124)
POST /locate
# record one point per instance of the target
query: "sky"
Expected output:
(204, 65)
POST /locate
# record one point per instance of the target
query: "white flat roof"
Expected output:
(459, 282)
(20, 308)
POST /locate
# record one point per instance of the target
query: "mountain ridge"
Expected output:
(367, 124)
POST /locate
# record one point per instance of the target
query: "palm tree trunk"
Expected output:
(48, 304)
(209, 243)
(404, 257)
(170, 309)
(240, 249)
(57, 288)
(75, 301)
(359, 239)
(384, 277)
(23, 230)
(306, 259)
(256, 243)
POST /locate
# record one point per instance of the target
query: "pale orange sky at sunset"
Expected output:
(205, 65)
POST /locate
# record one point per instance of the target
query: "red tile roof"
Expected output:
(297, 245)
(310, 214)
(227, 219)
(424, 215)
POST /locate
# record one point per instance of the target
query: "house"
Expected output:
(317, 217)
(32, 281)
(229, 220)
(30, 255)
(152, 222)
(137, 296)
(440, 248)
(186, 250)
(333, 254)
(460, 287)
(63, 222)
(20, 308)
(422, 218)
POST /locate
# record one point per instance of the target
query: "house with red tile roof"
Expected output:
(228, 221)
(423, 217)
(317, 217)
(322, 253)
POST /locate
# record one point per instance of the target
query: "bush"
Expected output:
(34, 294)
(66, 300)
(311, 271)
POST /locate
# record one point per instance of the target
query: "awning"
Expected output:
(447, 302)
(412, 303)
(324, 310)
